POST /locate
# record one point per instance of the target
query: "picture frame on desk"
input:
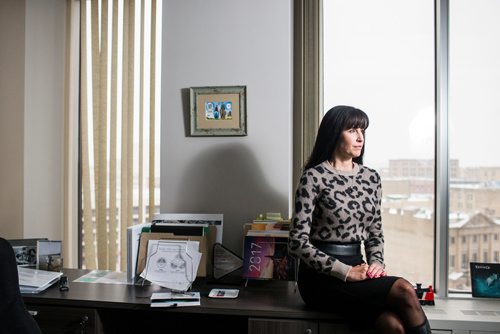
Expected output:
(25, 251)
(218, 111)
(267, 258)
(49, 255)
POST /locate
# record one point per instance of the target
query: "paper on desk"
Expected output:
(35, 280)
(172, 264)
(133, 237)
(103, 276)
(170, 299)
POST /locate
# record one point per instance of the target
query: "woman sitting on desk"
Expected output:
(337, 207)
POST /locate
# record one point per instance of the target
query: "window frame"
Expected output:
(307, 80)
(308, 99)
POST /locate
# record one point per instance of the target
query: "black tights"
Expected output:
(404, 314)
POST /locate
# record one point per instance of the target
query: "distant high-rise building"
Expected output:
(419, 168)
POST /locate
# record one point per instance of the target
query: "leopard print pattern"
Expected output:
(337, 206)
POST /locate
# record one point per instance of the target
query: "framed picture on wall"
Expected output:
(218, 111)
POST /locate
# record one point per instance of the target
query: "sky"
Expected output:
(379, 56)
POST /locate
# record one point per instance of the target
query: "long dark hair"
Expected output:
(336, 120)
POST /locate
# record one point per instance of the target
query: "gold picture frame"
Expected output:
(218, 111)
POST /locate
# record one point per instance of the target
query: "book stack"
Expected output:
(265, 254)
(269, 224)
(35, 281)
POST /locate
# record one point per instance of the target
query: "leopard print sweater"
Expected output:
(337, 206)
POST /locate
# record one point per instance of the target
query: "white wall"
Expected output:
(224, 43)
(44, 118)
(205, 43)
(12, 36)
(32, 118)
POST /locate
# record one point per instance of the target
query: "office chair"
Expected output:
(14, 317)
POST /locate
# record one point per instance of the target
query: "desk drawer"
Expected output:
(281, 326)
(52, 319)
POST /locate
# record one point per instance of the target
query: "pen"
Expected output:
(173, 300)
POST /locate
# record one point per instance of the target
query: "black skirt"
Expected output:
(360, 303)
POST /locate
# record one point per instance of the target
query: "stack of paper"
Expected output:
(172, 264)
(35, 281)
(133, 237)
(170, 299)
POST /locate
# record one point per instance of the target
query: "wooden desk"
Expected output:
(114, 308)
(262, 307)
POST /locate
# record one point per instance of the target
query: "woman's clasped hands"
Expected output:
(365, 271)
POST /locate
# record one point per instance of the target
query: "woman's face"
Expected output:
(351, 143)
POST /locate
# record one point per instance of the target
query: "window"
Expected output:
(474, 82)
(371, 65)
(368, 66)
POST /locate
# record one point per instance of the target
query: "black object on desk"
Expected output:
(63, 283)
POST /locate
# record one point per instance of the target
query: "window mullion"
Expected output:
(442, 155)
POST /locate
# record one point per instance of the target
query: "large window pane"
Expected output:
(474, 115)
(379, 56)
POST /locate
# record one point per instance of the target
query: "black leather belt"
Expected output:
(333, 249)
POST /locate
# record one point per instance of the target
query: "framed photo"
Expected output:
(49, 255)
(218, 111)
(485, 279)
(25, 251)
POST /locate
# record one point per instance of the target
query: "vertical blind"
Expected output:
(119, 118)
